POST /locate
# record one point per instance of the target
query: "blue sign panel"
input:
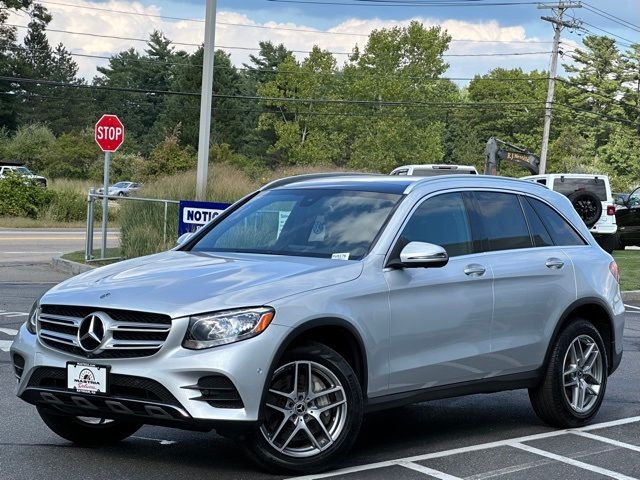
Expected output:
(194, 215)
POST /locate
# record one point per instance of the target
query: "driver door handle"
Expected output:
(554, 263)
(474, 270)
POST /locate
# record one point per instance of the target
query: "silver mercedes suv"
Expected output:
(320, 298)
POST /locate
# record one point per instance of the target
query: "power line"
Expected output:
(133, 39)
(268, 27)
(374, 103)
(611, 17)
(608, 32)
(405, 3)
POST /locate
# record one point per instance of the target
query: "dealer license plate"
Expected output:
(87, 378)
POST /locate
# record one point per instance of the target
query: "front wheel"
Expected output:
(311, 415)
(88, 431)
(575, 381)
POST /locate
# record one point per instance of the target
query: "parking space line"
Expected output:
(428, 471)
(611, 441)
(571, 461)
(472, 448)
(9, 331)
(633, 307)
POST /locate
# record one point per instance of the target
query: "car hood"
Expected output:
(184, 283)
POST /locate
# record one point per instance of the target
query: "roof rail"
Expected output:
(427, 180)
(309, 176)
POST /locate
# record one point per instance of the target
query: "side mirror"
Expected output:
(183, 238)
(423, 255)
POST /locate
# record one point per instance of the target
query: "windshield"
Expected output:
(326, 223)
(23, 171)
(120, 185)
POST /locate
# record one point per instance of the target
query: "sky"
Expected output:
(476, 30)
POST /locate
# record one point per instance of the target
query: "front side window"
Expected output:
(441, 220)
(327, 223)
(503, 221)
(561, 232)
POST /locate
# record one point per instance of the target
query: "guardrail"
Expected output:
(92, 196)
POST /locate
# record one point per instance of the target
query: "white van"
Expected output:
(431, 170)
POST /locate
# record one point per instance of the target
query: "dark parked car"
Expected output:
(628, 219)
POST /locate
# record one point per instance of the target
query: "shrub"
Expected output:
(72, 155)
(169, 157)
(67, 205)
(30, 145)
(21, 197)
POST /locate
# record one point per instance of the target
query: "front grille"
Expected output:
(127, 334)
(120, 386)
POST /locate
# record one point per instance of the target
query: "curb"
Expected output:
(67, 266)
(631, 296)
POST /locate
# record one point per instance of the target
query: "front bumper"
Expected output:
(176, 369)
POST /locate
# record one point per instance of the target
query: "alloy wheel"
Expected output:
(582, 374)
(306, 409)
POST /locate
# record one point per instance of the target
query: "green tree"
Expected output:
(72, 155)
(31, 145)
(596, 86)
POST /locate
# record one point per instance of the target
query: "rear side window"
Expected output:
(567, 186)
(503, 221)
(443, 221)
(562, 233)
(541, 237)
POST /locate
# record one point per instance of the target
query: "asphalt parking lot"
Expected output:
(476, 437)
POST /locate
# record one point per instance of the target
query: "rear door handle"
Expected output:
(474, 270)
(554, 263)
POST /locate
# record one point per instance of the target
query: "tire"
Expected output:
(550, 399)
(588, 206)
(88, 431)
(121, 194)
(272, 445)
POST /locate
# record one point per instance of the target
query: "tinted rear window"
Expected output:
(567, 186)
(562, 233)
(503, 220)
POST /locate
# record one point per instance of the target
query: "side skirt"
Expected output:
(514, 381)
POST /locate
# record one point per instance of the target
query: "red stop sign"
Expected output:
(109, 133)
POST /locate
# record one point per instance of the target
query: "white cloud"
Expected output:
(134, 26)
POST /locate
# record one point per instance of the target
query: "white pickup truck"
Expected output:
(20, 169)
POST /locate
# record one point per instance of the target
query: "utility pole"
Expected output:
(206, 97)
(558, 24)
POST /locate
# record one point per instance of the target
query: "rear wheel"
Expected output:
(575, 381)
(88, 431)
(312, 413)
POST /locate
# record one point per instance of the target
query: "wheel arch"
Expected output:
(596, 311)
(336, 333)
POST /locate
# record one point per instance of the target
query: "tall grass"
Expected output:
(141, 223)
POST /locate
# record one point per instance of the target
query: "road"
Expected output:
(41, 244)
(475, 437)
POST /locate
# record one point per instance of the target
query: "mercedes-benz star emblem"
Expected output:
(91, 333)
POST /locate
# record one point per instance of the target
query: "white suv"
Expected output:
(591, 197)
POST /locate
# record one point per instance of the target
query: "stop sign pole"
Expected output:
(109, 135)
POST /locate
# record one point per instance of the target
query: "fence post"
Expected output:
(88, 251)
(165, 225)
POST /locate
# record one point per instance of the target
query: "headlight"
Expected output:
(219, 328)
(32, 320)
